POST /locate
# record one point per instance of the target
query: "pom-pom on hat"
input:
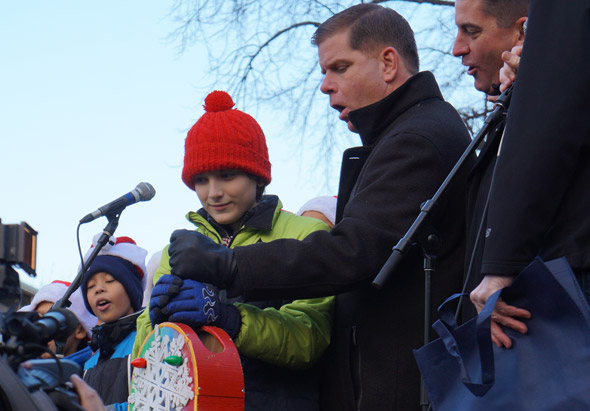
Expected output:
(224, 138)
(123, 259)
(54, 291)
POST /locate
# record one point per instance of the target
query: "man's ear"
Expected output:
(521, 31)
(390, 61)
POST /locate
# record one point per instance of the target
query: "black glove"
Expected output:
(197, 257)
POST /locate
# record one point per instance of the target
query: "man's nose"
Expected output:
(460, 47)
(327, 85)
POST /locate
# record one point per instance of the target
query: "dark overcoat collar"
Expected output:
(371, 121)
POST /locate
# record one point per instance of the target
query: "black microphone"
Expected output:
(143, 192)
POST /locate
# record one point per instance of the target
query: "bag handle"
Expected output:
(445, 313)
(446, 327)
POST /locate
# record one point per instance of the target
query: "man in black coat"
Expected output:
(540, 199)
(486, 29)
(411, 139)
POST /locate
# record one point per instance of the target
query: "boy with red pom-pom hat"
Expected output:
(226, 164)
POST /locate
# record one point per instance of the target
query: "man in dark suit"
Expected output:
(539, 200)
(486, 29)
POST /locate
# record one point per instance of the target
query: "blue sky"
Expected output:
(93, 100)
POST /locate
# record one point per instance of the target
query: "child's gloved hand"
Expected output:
(167, 287)
(197, 305)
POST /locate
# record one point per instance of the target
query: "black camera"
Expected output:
(18, 246)
(27, 382)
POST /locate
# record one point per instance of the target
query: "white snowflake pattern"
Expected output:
(161, 386)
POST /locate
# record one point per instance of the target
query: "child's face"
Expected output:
(226, 195)
(107, 298)
(43, 307)
(73, 339)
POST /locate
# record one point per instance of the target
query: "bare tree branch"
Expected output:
(434, 2)
(275, 36)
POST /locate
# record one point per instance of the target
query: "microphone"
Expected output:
(143, 192)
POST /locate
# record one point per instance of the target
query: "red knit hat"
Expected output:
(224, 139)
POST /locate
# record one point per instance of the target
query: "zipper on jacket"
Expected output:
(217, 235)
(233, 237)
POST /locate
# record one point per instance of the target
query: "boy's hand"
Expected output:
(167, 286)
(194, 256)
(197, 305)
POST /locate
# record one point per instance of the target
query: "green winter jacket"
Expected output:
(293, 336)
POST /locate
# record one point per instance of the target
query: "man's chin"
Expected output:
(351, 127)
(485, 87)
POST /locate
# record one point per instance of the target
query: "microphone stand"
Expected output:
(64, 302)
(415, 234)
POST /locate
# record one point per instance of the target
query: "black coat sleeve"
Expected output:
(403, 171)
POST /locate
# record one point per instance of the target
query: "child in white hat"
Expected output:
(76, 346)
(322, 208)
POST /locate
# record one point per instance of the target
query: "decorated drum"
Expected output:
(178, 369)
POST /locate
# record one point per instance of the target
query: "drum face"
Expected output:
(177, 368)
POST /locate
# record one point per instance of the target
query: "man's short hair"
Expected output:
(506, 12)
(373, 27)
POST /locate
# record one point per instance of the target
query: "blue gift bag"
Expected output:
(546, 369)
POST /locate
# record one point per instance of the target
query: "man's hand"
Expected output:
(89, 399)
(194, 256)
(196, 305)
(503, 313)
(508, 71)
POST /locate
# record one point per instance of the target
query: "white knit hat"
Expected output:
(56, 290)
(323, 204)
(125, 248)
(122, 258)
